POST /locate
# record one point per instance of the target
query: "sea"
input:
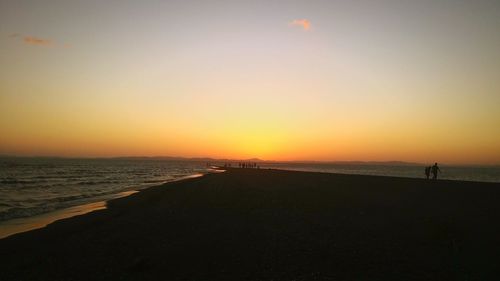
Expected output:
(34, 186)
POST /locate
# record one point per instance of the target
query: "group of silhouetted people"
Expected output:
(248, 165)
(251, 165)
(432, 169)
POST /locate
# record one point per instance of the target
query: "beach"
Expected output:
(265, 224)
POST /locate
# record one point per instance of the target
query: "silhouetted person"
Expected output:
(428, 171)
(435, 169)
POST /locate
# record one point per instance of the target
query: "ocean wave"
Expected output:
(45, 177)
(14, 213)
(33, 186)
(16, 181)
(96, 182)
(155, 181)
(69, 198)
(37, 207)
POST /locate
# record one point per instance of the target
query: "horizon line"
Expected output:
(256, 159)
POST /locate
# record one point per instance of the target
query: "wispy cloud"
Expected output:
(304, 23)
(31, 40)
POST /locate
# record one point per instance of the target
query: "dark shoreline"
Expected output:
(28, 223)
(250, 224)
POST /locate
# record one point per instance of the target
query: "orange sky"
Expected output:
(286, 80)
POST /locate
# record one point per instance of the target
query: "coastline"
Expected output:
(24, 224)
(259, 224)
(19, 225)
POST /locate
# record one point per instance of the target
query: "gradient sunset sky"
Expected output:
(284, 80)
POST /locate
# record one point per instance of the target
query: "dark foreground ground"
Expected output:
(273, 225)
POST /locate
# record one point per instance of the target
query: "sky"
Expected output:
(329, 80)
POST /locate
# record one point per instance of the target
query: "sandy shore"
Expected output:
(19, 225)
(273, 225)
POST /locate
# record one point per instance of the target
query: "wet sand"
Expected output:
(248, 224)
(19, 225)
